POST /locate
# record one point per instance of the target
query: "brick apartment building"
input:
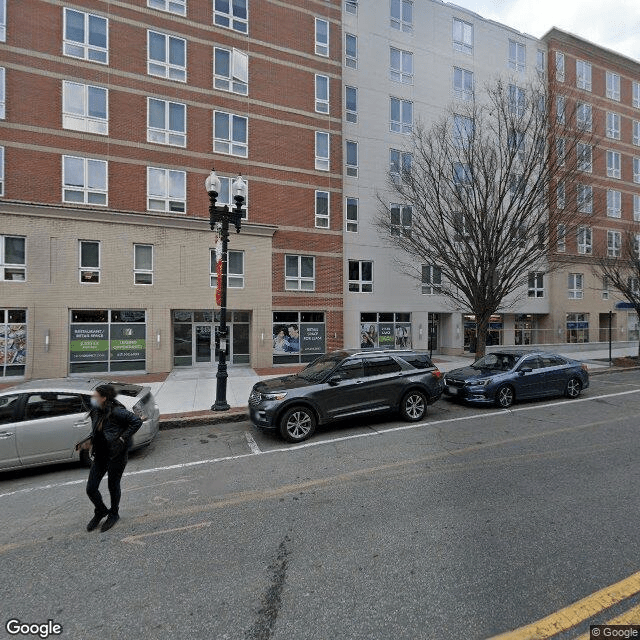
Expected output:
(112, 115)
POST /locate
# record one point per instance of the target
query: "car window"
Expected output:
(418, 360)
(378, 366)
(533, 363)
(350, 369)
(50, 405)
(495, 362)
(8, 408)
(552, 361)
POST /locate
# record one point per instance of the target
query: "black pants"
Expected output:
(114, 468)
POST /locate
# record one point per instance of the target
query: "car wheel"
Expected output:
(297, 424)
(505, 396)
(85, 458)
(413, 406)
(573, 388)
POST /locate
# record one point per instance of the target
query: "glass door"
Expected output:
(202, 342)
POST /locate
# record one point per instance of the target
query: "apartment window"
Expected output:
(166, 56)
(605, 288)
(166, 190)
(230, 134)
(235, 269)
(559, 66)
(463, 84)
(1, 171)
(636, 133)
(351, 104)
(536, 284)
(636, 244)
(171, 6)
(636, 207)
(584, 195)
(431, 279)
(401, 65)
(636, 94)
(3, 99)
(401, 215)
(517, 55)
(3, 21)
(143, 264)
(634, 285)
(614, 203)
(352, 215)
(166, 122)
(322, 93)
(585, 157)
(614, 242)
(613, 164)
(583, 75)
(613, 86)
(584, 116)
(402, 15)
(613, 125)
(585, 241)
(85, 108)
(540, 61)
(351, 50)
(322, 209)
(322, 151)
(401, 116)
(322, 37)
(231, 70)
(636, 170)
(399, 164)
(516, 100)
(462, 36)
(561, 110)
(232, 14)
(360, 276)
(461, 174)
(85, 36)
(561, 198)
(13, 258)
(351, 6)
(561, 238)
(575, 286)
(561, 151)
(89, 256)
(84, 180)
(299, 273)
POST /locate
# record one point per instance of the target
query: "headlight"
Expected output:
(480, 383)
(281, 395)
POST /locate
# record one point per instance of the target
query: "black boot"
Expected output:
(112, 518)
(95, 521)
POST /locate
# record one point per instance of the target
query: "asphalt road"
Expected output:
(473, 523)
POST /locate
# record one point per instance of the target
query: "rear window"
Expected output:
(378, 366)
(124, 389)
(418, 360)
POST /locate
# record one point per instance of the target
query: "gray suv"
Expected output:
(343, 384)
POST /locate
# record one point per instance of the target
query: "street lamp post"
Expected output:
(224, 216)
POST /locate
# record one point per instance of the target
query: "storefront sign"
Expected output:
(88, 342)
(128, 342)
(386, 338)
(312, 338)
(577, 325)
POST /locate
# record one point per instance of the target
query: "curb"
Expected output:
(181, 421)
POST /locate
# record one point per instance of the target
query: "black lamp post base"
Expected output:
(220, 406)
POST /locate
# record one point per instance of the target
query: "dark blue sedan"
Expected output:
(505, 376)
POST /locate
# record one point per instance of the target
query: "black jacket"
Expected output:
(117, 422)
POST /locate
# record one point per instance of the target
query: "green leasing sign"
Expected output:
(89, 342)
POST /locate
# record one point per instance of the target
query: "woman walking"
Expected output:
(111, 429)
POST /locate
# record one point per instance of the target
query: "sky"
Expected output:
(610, 23)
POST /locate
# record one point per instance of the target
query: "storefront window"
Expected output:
(13, 342)
(386, 330)
(577, 327)
(523, 329)
(494, 332)
(633, 332)
(298, 336)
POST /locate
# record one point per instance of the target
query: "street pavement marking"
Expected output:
(632, 616)
(368, 434)
(253, 445)
(575, 613)
(138, 538)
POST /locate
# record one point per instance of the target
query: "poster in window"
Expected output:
(286, 338)
(128, 342)
(386, 338)
(368, 335)
(403, 336)
(88, 342)
(312, 338)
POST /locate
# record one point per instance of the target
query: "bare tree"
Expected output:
(476, 192)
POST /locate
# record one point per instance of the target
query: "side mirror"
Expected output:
(524, 370)
(335, 379)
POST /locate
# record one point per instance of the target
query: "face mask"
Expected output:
(94, 403)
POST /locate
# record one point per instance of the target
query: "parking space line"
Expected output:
(253, 445)
(137, 539)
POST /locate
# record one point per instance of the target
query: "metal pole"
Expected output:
(221, 403)
(610, 319)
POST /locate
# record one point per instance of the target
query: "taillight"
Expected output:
(138, 409)
(437, 374)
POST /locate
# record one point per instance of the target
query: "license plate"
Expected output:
(451, 390)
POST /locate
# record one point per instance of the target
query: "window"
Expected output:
(585, 241)
(585, 157)
(613, 164)
(561, 110)
(322, 94)
(1, 171)
(575, 281)
(3, 99)
(225, 195)
(3, 20)
(636, 170)
(401, 215)
(461, 174)
(231, 14)
(322, 209)
(636, 94)
(401, 120)
(13, 261)
(633, 285)
(84, 180)
(322, 151)
(352, 158)
(299, 273)
(605, 288)
(235, 269)
(230, 134)
(613, 86)
(463, 84)
(516, 144)
(352, 215)
(351, 104)
(380, 366)
(462, 36)
(540, 61)
(559, 66)
(351, 50)
(561, 238)
(166, 56)
(561, 198)
(231, 70)
(614, 206)
(584, 116)
(636, 207)
(351, 6)
(636, 133)
(584, 195)
(517, 100)
(399, 164)
(322, 37)
(85, 108)
(166, 190)
(401, 65)
(166, 122)
(536, 284)
(171, 6)
(636, 244)
(360, 276)
(614, 242)
(431, 279)
(583, 75)
(561, 151)
(143, 264)
(85, 36)
(517, 55)
(402, 15)
(89, 261)
(613, 125)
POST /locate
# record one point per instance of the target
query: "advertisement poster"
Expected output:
(89, 342)
(403, 336)
(286, 338)
(128, 342)
(368, 336)
(387, 338)
(13, 344)
(312, 338)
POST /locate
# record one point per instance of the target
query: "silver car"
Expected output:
(41, 421)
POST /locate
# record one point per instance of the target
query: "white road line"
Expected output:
(318, 443)
(253, 445)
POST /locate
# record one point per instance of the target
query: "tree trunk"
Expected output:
(482, 327)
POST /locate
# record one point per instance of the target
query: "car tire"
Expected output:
(573, 388)
(85, 458)
(505, 396)
(413, 406)
(297, 424)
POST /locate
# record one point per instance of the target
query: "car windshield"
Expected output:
(496, 362)
(319, 368)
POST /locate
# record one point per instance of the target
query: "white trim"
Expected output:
(234, 83)
(165, 67)
(84, 121)
(70, 45)
(231, 18)
(154, 4)
(166, 197)
(322, 48)
(166, 133)
(228, 146)
(299, 279)
(84, 189)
